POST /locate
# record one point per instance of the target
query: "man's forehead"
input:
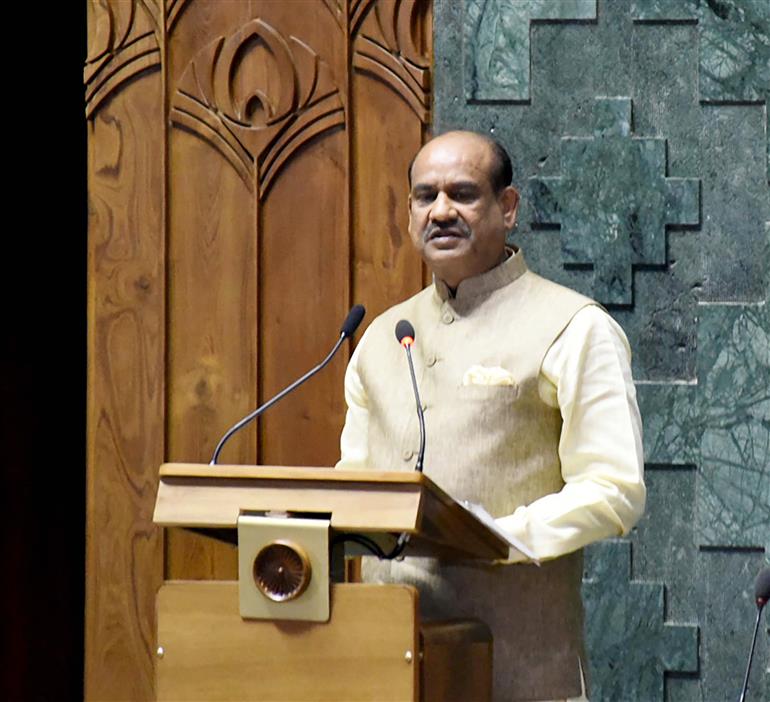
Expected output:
(456, 153)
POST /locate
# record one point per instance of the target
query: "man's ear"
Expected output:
(409, 211)
(509, 201)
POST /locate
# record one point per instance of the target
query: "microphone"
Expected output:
(762, 588)
(347, 330)
(405, 336)
(761, 596)
(352, 321)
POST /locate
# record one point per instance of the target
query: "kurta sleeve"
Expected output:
(354, 451)
(586, 374)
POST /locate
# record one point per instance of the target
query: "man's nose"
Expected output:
(443, 209)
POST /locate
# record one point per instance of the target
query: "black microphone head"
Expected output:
(352, 321)
(762, 587)
(404, 329)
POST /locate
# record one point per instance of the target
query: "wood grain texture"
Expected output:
(456, 661)
(259, 97)
(305, 260)
(123, 42)
(367, 501)
(212, 292)
(253, 257)
(386, 268)
(126, 389)
(210, 653)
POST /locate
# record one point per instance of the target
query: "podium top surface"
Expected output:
(312, 473)
(361, 501)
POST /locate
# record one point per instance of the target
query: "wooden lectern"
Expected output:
(368, 644)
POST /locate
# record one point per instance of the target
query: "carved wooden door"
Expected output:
(247, 185)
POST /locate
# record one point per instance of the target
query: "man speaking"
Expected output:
(530, 410)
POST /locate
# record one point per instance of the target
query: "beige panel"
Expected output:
(210, 653)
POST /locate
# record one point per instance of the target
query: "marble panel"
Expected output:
(733, 496)
(672, 423)
(663, 542)
(735, 51)
(727, 616)
(613, 201)
(736, 204)
(497, 43)
(652, 53)
(631, 645)
(734, 41)
(664, 10)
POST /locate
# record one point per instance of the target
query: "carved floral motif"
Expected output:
(257, 117)
(384, 46)
(124, 42)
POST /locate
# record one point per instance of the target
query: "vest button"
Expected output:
(406, 454)
(447, 318)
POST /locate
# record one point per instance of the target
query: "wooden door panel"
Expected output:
(126, 383)
(305, 297)
(231, 146)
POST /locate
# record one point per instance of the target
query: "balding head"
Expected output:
(500, 168)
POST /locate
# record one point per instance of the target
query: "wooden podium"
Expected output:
(373, 645)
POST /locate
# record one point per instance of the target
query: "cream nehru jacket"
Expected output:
(492, 440)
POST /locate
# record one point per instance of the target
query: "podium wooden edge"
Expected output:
(364, 501)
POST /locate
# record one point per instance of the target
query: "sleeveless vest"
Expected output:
(492, 444)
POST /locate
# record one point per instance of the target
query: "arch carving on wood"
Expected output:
(124, 43)
(257, 126)
(173, 10)
(384, 46)
(337, 9)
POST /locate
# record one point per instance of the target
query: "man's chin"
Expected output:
(445, 260)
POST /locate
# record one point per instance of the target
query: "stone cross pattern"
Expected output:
(734, 48)
(497, 44)
(627, 632)
(613, 201)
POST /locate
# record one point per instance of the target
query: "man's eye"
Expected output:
(465, 195)
(424, 198)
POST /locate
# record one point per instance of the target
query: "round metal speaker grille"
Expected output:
(281, 571)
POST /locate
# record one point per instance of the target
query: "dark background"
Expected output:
(43, 364)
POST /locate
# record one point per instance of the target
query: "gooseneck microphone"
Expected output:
(761, 597)
(405, 336)
(347, 330)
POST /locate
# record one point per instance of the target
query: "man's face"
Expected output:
(456, 220)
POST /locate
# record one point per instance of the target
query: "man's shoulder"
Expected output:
(550, 308)
(549, 290)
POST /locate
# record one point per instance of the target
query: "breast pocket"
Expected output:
(495, 394)
(485, 408)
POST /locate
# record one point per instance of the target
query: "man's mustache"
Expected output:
(458, 228)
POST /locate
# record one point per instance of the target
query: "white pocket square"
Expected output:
(484, 375)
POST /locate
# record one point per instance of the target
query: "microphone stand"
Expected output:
(742, 698)
(420, 415)
(249, 417)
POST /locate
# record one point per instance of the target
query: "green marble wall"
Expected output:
(639, 133)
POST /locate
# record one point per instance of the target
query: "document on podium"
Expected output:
(480, 512)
